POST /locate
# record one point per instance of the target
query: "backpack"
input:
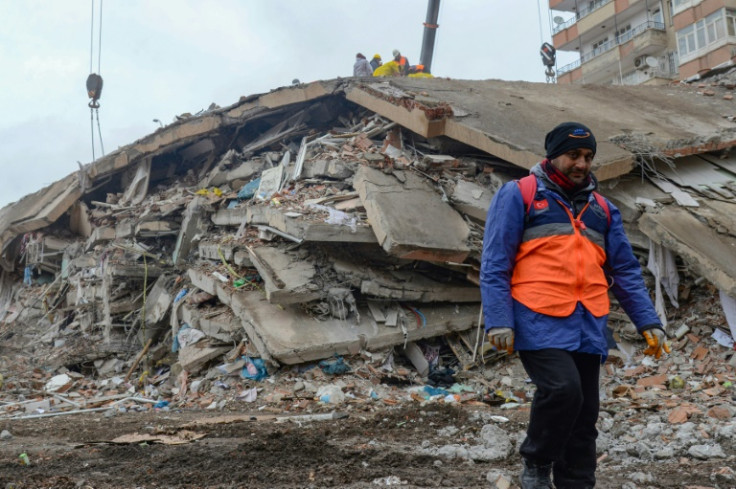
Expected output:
(528, 188)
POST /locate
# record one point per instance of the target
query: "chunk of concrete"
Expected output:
(287, 277)
(336, 169)
(192, 225)
(410, 219)
(471, 199)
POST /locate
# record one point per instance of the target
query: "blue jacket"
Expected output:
(581, 331)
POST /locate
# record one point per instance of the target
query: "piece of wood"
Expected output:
(138, 359)
(463, 355)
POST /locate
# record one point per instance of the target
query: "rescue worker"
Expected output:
(549, 258)
(402, 61)
(376, 61)
(417, 71)
(388, 69)
(362, 67)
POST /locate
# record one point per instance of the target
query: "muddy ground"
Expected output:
(371, 447)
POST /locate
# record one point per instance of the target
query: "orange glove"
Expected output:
(502, 339)
(657, 342)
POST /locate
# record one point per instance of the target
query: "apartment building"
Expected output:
(631, 42)
(706, 34)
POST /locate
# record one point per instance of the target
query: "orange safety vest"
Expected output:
(559, 267)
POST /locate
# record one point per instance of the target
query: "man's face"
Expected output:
(575, 164)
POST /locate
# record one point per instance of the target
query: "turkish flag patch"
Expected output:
(540, 204)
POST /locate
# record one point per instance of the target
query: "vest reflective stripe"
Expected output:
(558, 265)
(557, 229)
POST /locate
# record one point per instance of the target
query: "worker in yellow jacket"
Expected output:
(390, 68)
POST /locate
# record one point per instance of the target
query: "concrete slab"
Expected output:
(403, 286)
(510, 120)
(708, 251)
(292, 336)
(288, 278)
(193, 358)
(409, 218)
(307, 230)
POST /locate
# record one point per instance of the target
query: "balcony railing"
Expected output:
(584, 11)
(607, 46)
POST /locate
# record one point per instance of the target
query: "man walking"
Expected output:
(552, 247)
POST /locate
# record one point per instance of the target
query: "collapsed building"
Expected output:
(343, 217)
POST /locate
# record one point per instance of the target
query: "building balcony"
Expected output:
(647, 37)
(650, 40)
(584, 12)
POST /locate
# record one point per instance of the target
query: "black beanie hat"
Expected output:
(568, 136)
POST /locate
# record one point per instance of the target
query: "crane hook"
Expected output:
(94, 89)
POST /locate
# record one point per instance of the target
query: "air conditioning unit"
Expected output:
(645, 62)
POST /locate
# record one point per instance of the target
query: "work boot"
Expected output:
(536, 475)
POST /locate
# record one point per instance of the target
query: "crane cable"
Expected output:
(539, 13)
(94, 81)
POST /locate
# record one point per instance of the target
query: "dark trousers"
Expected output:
(563, 415)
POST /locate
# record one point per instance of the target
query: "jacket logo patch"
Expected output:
(540, 205)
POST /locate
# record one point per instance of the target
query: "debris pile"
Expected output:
(296, 248)
(312, 237)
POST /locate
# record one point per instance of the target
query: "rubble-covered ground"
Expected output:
(362, 443)
(663, 424)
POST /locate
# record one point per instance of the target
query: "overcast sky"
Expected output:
(160, 58)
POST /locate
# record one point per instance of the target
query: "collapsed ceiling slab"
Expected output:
(709, 252)
(292, 336)
(510, 119)
(505, 119)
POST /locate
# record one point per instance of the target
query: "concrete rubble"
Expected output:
(339, 225)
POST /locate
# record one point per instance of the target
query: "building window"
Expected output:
(680, 5)
(731, 22)
(686, 40)
(623, 30)
(699, 35)
(657, 15)
(714, 26)
(600, 45)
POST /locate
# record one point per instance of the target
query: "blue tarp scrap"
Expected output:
(180, 295)
(334, 366)
(249, 189)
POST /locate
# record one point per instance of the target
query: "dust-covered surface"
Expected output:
(667, 423)
(371, 447)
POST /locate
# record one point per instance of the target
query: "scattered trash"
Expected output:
(334, 366)
(248, 395)
(254, 369)
(331, 394)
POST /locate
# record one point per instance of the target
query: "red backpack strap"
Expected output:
(602, 202)
(528, 187)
